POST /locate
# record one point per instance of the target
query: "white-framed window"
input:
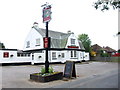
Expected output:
(72, 41)
(73, 54)
(23, 54)
(54, 55)
(38, 42)
(62, 55)
(27, 44)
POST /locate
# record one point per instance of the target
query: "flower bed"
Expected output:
(39, 77)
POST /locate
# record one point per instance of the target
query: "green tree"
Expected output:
(106, 4)
(2, 45)
(85, 41)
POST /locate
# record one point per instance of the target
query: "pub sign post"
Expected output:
(46, 19)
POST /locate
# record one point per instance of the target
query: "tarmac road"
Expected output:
(106, 80)
(18, 76)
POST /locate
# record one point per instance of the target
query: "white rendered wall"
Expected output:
(80, 55)
(13, 59)
(86, 56)
(39, 58)
(32, 36)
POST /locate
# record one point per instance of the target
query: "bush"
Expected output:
(50, 70)
(42, 70)
(104, 55)
(93, 53)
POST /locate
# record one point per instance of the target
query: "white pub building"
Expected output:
(63, 47)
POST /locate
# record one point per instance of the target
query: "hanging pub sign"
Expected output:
(46, 42)
(47, 14)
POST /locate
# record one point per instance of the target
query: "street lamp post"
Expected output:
(46, 19)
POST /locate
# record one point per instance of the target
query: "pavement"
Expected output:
(18, 76)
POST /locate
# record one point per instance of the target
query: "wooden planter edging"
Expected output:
(39, 78)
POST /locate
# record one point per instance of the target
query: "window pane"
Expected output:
(72, 41)
(54, 55)
(18, 54)
(28, 44)
(75, 54)
(28, 55)
(63, 55)
(71, 53)
(38, 42)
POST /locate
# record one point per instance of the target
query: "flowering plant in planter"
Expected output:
(46, 77)
(50, 70)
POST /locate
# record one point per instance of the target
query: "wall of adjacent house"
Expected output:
(32, 37)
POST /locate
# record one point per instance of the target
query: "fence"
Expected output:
(105, 58)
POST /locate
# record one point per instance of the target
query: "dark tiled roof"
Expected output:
(58, 39)
(108, 49)
(96, 48)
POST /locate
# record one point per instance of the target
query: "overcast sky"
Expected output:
(79, 16)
